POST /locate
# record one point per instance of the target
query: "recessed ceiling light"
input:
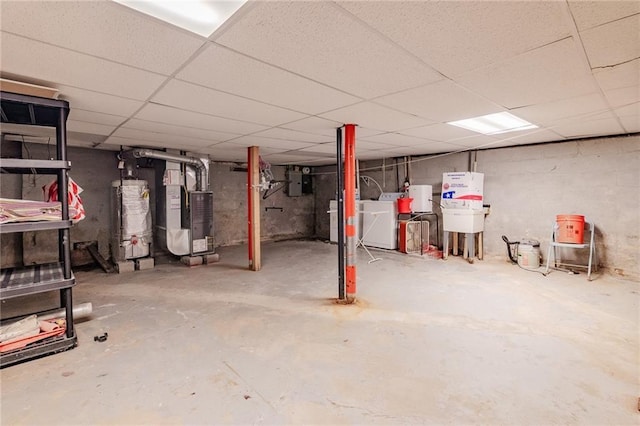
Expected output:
(202, 17)
(501, 122)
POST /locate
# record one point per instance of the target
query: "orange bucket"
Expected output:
(570, 228)
(404, 205)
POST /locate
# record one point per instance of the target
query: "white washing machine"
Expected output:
(380, 224)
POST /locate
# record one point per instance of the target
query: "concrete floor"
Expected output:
(429, 342)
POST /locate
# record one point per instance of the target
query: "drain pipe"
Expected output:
(202, 178)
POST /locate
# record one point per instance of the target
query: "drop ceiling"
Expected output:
(283, 75)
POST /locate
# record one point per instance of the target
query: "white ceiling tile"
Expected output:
(370, 115)
(234, 152)
(363, 145)
(263, 142)
(396, 139)
(315, 125)
(630, 117)
(550, 112)
(322, 148)
(91, 128)
(293, 135)
(363, 132)
(164, 140)
(441, 101)
(178, 131)
(478, 141)
(623, 75)
(131, 142)
(103, 29)
(578, 128)
(526, 137)
(188, 96)
(98, 102)
(589, 14)
(222, 69)
(546, 74)
(285, 158)
(439, 132)
(319, 41)
(429, 148)
(613, 43)
(95, 117)
(456, 37)
(632, 110)
(371, 155)
(623, 96)
(179, 117)
(66, 67)
(631, 123)
(237, 154)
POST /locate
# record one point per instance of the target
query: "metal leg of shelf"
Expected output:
(68, 307)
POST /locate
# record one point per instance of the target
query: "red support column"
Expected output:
(350, 208)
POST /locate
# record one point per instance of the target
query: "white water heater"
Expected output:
(132, 235)
(422, 198)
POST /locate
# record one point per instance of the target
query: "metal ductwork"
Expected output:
(202, 178)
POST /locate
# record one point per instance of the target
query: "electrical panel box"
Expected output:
(294, 183)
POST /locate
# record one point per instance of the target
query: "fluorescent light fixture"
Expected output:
(202, 17)
(492, 124)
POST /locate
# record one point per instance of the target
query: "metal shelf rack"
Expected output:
(17, 282)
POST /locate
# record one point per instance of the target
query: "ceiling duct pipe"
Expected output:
(202, 178)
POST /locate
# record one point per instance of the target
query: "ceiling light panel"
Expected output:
(198, 16)
(501, 122)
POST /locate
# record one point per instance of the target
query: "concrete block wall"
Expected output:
(528, 186)
(295, 220)
(94, 170)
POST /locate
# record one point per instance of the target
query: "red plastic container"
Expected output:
(570, 228)
(404, 205)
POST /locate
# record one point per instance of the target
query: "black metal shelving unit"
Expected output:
(17, 282)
